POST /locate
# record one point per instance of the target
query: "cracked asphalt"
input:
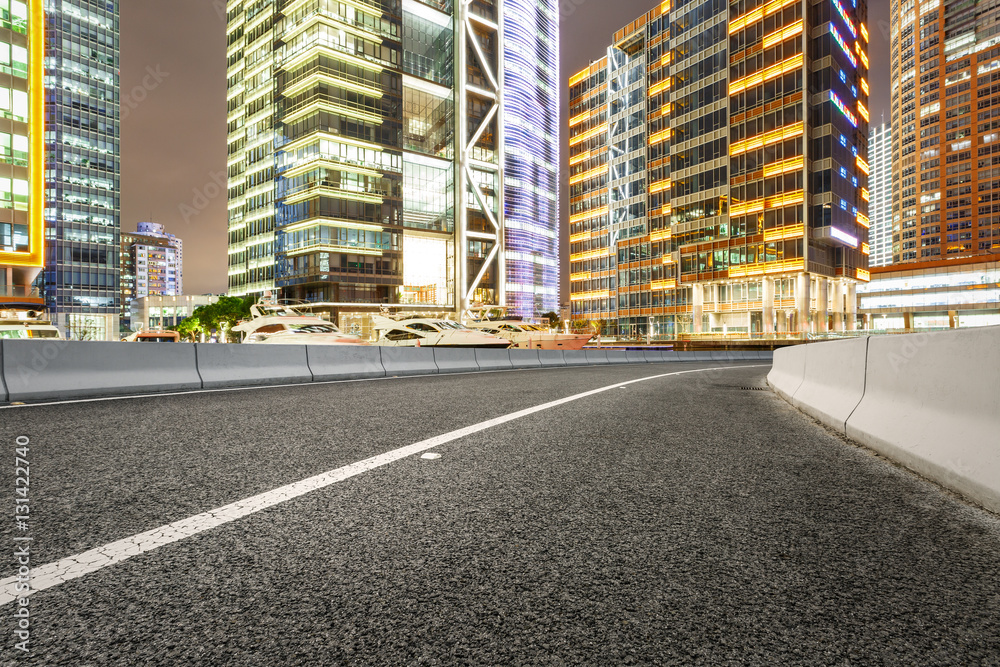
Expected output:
(681, 520)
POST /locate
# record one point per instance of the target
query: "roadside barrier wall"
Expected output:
(930, 402)
(243, 365)
(36, 370)
(344, 362)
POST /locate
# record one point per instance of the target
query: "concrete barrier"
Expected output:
(932, 403)
(833, 380)
(575, 357)
(36, 370)
(701, 355)
(596, 357)
(399, 361)
(653, 356)
(251, 365)
(617, 357)
(344, 362)
(455, 360)
(635, 356)
(525, 358)
(788, 371)
(493, 360)
(720, 355)
(551, 358)
(671, 355)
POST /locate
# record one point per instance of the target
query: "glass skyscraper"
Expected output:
(718, 171)
(81, 278)
(400, 153)
(880, 153)
(21, 153)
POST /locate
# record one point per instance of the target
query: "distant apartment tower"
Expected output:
(81, 278)
(394, 152)
(880, 209)
(945, 129)
(718, 170)
(152, 264)
(22, 155)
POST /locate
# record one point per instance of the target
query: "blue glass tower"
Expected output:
(81, 277)
(531, 155)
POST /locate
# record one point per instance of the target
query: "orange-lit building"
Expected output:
(945, 130)
(22, 200)
(718, 170)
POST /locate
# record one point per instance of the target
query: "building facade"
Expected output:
(22, 154)
(946, 294)
(82, 178)
(152, 264)
(880, 209)
(388, 152)
(718, 170)
(945, 127)
(158, 312)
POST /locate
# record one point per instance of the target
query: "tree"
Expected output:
(554, 321)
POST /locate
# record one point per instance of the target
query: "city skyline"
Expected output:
(173, 159)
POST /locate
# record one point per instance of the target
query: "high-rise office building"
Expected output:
(81, 278)
(718, 170)
(880, 207)
(945, 129)
(387, 152)
(22, 153)
(152, 264)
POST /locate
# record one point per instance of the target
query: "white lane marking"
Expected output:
(73, 567)
(431, 456)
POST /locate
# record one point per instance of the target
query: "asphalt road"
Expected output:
(679, 520)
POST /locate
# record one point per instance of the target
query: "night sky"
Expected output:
(173, 87)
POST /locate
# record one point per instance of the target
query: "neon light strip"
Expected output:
(768, 138)
(660, 186)
(587, 175)
(863, 111)
(660, 87)
(781, 34)
(865, 249)
(576, 120)
(590, 254)
(863, 275)
(843, 15)
(757, 14)
(862, 165)
(768, 267)
(663, 284)
(843, 45)
(585, 296)
(864, 86)
(785, 66)
(843, 109)
(660, 136)
(579, 139)
(581, 236)
(864, 31)
(585, 275)
(865, 195)
(588, 215)
(784, 233)
(660, 235)
(785, 166)
(863, 220)
(577, 159)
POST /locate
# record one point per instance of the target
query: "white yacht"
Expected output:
(276, 324)
(26, 325)
(524, 334)
(531, 336)
(431, 332)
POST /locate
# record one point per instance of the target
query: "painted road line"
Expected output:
(73, 567)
